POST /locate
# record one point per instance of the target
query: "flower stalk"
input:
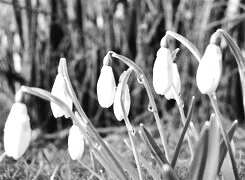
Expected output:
(142, 79)
(131, 130)
(238, 57)
(84, 117)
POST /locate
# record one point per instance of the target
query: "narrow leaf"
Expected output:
(211, 168)
(153, 147)
(188, 120)
(200, 156)
(223, 148)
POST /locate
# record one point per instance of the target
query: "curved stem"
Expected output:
(224, 134)
(90, 126)
(239, 59)
(142, 79)
(49, 97)
(131, 130)
(186, 43)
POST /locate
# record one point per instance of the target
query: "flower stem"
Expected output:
(131, 130)
(224, 134)
(239, 60)
(80, 110)
(186, 43)
(142, 79)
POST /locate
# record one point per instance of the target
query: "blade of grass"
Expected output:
(188, 120)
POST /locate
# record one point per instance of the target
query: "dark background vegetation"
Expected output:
(35, 34)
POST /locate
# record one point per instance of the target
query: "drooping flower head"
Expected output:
(60, 91)
(75, 143)
(117, 108)
(209, 70)
(17, 131)
(162, 71)
(176, 83)
(106, 85)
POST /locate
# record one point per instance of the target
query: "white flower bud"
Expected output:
(162, 71)
(117, 108)
(106, 87)
(176, 83)
(17, 131)
(75, 143)
(209, 70)
(60, 91)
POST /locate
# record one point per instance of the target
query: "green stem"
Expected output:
(224, 134)
(131, 130)
(142, 79)
(86, 119)
(186, 43)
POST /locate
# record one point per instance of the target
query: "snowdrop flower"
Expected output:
(176, 83)
(17, 131)
(60, 91)
(75, 143)
(106, 87)
(117, 108)
(209, 70)
(163, 71)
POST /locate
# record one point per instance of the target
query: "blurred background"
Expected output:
(35, 34)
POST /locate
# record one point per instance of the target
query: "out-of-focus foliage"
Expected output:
(35, 34)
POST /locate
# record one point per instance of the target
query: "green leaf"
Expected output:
(212, 161)
(200, 156)
(188, 120)
(223, 148)
(152, 146)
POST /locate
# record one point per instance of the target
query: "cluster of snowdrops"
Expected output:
(211, 148)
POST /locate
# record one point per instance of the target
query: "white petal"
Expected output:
(17, 131)
(75, 143)
(176, 83)
(209, 70)
(117, 105)
(162, 71)
(106, 87)
(60, 91)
